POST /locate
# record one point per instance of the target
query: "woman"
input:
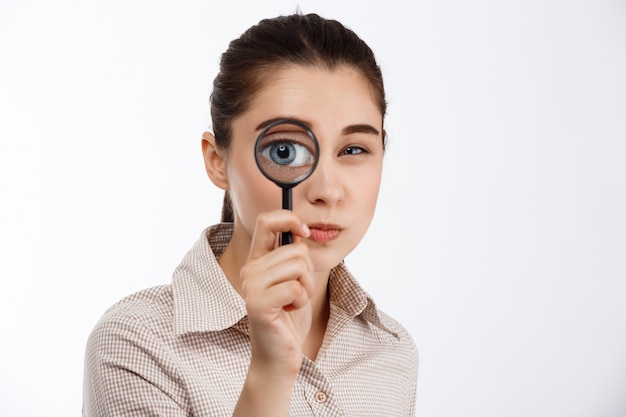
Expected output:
(248, 327)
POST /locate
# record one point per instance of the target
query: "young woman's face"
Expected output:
(337, 201)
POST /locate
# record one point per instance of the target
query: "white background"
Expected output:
(500, 240)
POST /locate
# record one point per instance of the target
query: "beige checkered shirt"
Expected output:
(183, 350)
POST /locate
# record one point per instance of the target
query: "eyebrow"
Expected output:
(348, 130)
(362, 128)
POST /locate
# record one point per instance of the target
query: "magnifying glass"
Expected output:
(286, 152)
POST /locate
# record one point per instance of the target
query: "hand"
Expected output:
(277, 286)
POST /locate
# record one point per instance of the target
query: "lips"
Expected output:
(322, 233)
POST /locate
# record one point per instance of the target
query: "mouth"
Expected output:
(322, 233)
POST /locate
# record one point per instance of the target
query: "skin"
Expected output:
(285, 288)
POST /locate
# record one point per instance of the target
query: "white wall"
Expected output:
(500, 239)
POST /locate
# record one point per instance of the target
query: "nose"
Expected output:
(325, 186)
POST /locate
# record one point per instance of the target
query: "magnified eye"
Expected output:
(288, 153)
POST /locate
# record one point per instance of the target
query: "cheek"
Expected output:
(251, 192)
(371, 179)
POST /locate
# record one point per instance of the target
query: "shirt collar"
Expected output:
(204, 299)
(349, 296)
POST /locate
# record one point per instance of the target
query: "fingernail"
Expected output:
(306, 230)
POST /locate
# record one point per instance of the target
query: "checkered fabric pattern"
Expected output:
(183, 350)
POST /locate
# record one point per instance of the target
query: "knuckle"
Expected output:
(245, 272)
(245, 288)
(302, 250)
(303, 265)
(263, 220)
(297, 289)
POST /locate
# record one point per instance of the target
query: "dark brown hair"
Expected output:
(305, 40)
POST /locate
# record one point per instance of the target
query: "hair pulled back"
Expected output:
(305, 40)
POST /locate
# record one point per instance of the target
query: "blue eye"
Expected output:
(287, 153)
(282, 153)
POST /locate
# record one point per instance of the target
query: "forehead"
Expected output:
(317, 93)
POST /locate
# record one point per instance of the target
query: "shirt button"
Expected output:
(321, 397)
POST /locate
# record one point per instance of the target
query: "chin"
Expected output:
(325, 259)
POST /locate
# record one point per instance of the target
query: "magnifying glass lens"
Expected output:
(286, 153)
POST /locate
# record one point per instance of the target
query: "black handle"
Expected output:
(286, 237)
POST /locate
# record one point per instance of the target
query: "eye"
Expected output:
(353, 150)
(286, 152)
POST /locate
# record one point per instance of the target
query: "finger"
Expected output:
(283, 264)
(268, 225)
(289, 295)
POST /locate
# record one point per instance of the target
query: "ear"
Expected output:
(214, 161)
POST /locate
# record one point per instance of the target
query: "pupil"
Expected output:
(283, 151)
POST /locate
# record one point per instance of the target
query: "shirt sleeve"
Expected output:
(411, 382)
(128, 372)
